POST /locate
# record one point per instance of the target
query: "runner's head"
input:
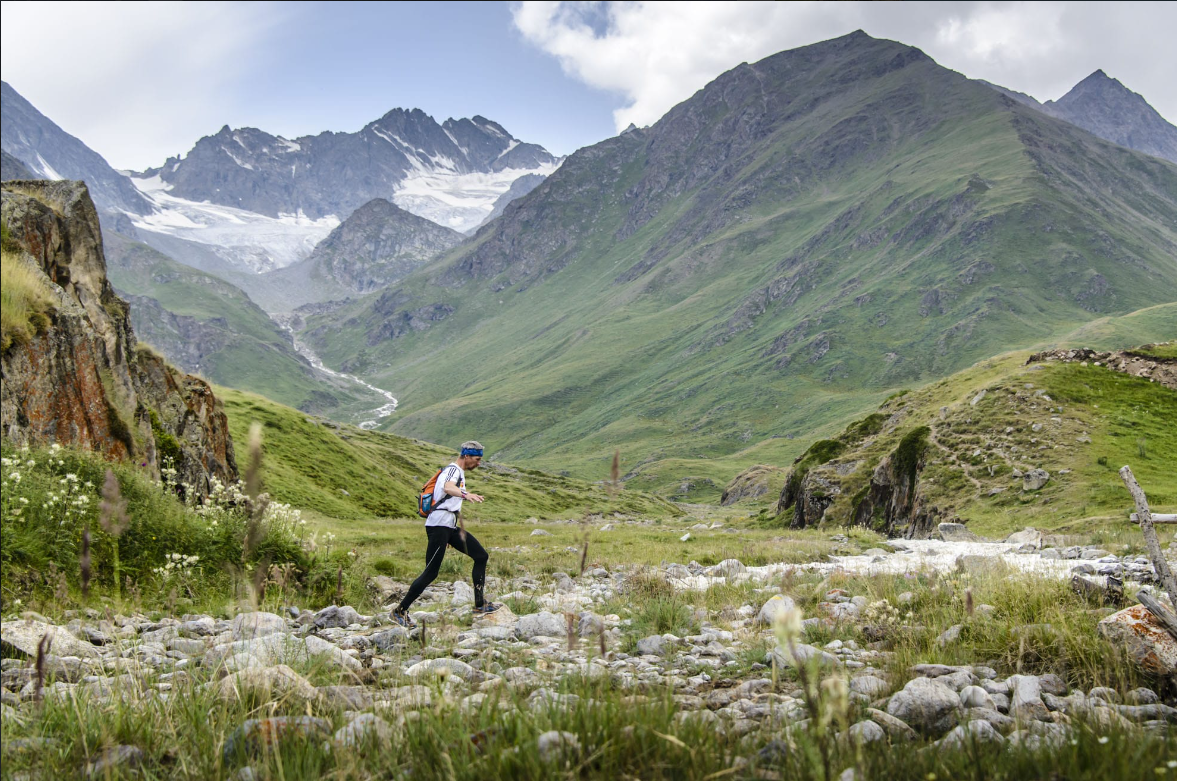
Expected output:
(470, 455)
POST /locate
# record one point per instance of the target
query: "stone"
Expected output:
(277, 649)
(799, 653)
(956, 532)
(729, 567)
(895, 728)
(971, 733)
(503, 617)
(1035, 479)
(554, 745)
(22, 637)
(542, 624)
(346, 697)
(251, 736)
(463, 594)
(1138, 632)
(777, 606)
(386, 588)
(1025, 700)
(653, 645)
(866, 732)
(334, 617)
(442, 667)
(247, 626)
(976, 697)
(388, 639)
(114, 761)
(277, 682)
(870, 685)
(365, 728)
(949, 635)
(926, 705)
(1029, 535)
(540, 533)
(1141, 696)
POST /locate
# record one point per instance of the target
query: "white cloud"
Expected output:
(131, 79)
(657, 54)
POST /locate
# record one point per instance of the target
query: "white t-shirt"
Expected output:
(444, 504)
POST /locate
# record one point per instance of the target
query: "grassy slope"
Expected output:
(344, 472)
(1126, 419)
(256, 355)
(562, 369)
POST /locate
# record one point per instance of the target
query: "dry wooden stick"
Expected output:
(1164, 575)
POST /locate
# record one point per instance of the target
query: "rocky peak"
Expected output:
(85, 381)
(1103, 106)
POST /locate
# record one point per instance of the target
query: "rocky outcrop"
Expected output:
(1138, 363)
(752, 483)
(85, 381)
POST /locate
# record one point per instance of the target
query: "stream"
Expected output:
(380, 412)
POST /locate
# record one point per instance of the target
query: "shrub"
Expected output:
(24, 298)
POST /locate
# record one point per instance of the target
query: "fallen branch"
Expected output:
(1163, 614)
(1156, 518)
(1164, 575)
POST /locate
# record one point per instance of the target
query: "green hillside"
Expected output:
(206, 325)
(773, 257)
(347, 473)
(1078, 421)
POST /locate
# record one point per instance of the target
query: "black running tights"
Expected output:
(439, 538)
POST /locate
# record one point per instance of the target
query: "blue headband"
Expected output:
(469, 451)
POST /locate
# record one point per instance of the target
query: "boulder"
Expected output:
(956, 532)
(362, 729)
(335, 617)
(271, 683)
(503, 617)
(246, 626)
(654, 645)
(541, 624)
(435, 667)
(778, 606)
(1025, 700)
(22, 637)
(927, 705)
(799, 653)
(1138, 631)
(1035, 479)
(463, 594)
(554, 745)
(1029, 535)
(866, 732)
(970, 734)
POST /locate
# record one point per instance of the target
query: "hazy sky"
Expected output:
(140, 81)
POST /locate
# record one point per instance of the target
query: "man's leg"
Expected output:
(474, 550)
(434, 553)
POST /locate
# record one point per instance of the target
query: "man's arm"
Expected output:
(452, 489)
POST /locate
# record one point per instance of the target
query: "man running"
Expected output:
(441, 527)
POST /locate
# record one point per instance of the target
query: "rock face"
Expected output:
(11, 168)
(84, 382)
(752, 483)
(1138, 631)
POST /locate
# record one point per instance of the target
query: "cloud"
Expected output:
(132, 79)
(657, 54)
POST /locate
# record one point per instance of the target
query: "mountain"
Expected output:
(11, 168)
(519, 188)
(780, 251)
(51, 153)
(377, 245)
(405, 156)
(1106, 108)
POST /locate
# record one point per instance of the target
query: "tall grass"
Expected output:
(24, 298)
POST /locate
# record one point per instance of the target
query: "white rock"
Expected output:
(247, 626)
(539, 624)
(685, 537)
(553, 745)
(463, 593)
(778, 605)
(363, 728)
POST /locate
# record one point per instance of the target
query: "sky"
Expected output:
(139, 82)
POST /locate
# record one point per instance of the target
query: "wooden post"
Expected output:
(1158, 609)
(1164, 575)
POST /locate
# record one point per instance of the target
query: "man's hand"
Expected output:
(473, 498)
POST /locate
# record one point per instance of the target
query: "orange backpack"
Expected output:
(425, 496)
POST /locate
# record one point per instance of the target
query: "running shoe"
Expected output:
(402, 618)
(486, 609)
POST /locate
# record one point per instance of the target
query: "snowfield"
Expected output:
(250, 241)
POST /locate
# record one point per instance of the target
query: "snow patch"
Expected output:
(456, 200)
(47, 170)
(250, 241)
